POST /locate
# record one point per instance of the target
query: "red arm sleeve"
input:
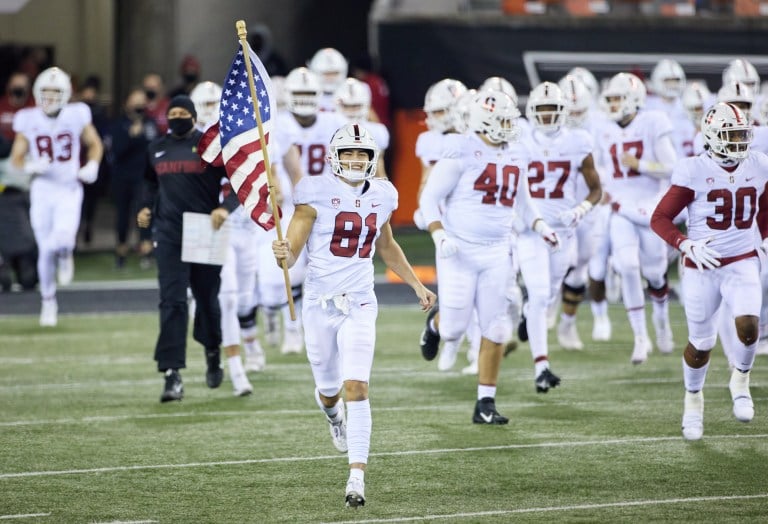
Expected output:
(671, 204)
(762, 213)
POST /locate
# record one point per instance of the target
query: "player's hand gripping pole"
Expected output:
(242, 35)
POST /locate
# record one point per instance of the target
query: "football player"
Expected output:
(342, 219)
(47, 147)
(331, 68)
(724, 192)
(667, 85)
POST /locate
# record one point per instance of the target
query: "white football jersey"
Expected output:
(430, 146)
(312, 141)
(683, 129)
(488, 182)
(725, 204)
(57, 138)
(554, 170)
(638, 139)
(343, 238)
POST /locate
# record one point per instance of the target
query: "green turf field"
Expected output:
(85, 439)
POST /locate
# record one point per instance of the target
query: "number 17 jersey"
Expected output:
(341, 244)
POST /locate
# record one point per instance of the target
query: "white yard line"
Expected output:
(621, 504)
(24, 516)
(337, 457)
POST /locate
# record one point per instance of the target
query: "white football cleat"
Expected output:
(338, 428)
(65, 270)
(49, 312)
(355, 495)
(241, 385)
(640, 351)
(743, 407)
(663, 334)
(568, 336)
(293, 342)
(693, 416)
(601, 328)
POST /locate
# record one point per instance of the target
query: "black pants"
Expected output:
(174, 277)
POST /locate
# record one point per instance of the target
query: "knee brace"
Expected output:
(297, 292)
(661, 292)
(248, 320)
(573, 295)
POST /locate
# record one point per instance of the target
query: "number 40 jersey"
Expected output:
(342, 241)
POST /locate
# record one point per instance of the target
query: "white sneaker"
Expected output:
(355, 495)
(338, 428)
(49, 312)
(663, 334)
(762, 346)
(293, 342)
(640, 351)
(743, 408)
(471, 369)
(693, 416)
(601, 328)
(65, 270)
(241, 386)
(447, 357)
(255, 359)
(568, 336)
(272, 331)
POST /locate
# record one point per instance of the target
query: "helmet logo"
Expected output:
(490, 103)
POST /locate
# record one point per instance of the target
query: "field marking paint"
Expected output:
(622, 504)
(336, 457)
(24, 516)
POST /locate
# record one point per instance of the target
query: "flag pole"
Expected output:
(242, 34)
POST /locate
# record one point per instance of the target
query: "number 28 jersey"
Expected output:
(342, 241)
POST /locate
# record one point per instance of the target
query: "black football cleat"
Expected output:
(522, 329)
(174, 389)
(214, 375)
(485, 413)
(546, 380)
(430, 341)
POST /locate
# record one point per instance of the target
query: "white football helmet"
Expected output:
(627, 95)
(739, 94)
(546, 108)
(494, 114)
(206, 97)
(727, 133)
(438, 101)
(695, 99)
(588, 79)
(578, 100)
(331, 68)
(500, 84)
(353, 99)
(460, 110)
(52, 90)
(353, 136)
(743, 71)
(302, 89)
(668, 79)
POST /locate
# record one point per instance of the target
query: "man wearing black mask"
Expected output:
(176, 181)
(190, 76)
(17, 95)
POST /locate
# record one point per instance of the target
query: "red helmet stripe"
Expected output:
(736, 112)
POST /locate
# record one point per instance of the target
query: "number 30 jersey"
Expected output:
(341, 244)
(56, 138)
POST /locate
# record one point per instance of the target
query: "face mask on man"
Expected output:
(18, 92)
(180, 126)
(190, 77)
(151, 94)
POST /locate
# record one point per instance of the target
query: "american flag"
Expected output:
(234, 142)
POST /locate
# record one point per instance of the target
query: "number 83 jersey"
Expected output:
(341, 244)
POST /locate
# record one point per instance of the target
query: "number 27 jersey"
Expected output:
(342, 241)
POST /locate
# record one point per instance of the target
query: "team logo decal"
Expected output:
(357, 203)
(336, 202)
(478, 154)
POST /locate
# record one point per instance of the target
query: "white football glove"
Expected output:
(445, 246)
(89, 172)
(547, 233)
(37, 166)
(701, 255)
(571, 217)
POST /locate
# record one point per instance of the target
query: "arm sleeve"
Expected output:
(443, 178)
(674, 201)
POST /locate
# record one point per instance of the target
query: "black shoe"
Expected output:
(546, 380)
(522, 329)
(174, 389)
(485, 413)
(214, 375)
(430, 341)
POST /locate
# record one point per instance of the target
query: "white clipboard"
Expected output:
(200, 243)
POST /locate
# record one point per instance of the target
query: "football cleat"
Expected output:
(693, 416)
(355, 495)
(338, 428)
(214, 375)
(640, 351)
(430, 341)
(485, 413)
(293, 342)
(522, 329)
(174, 389)
(601, 328)
(568, 336)
(743, 407)
(241, 385)
(546, 380)
(255, 359)
(49, 312)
